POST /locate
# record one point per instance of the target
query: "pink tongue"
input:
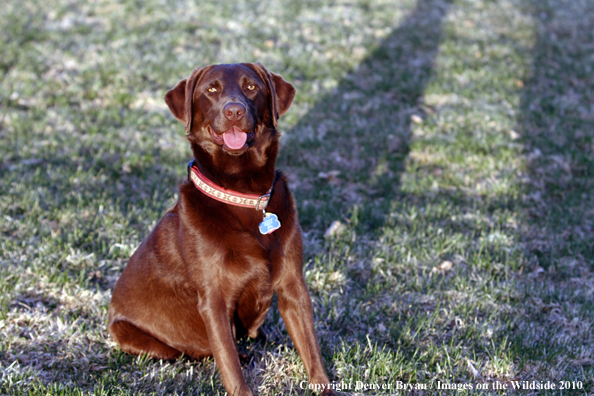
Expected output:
(235, 138)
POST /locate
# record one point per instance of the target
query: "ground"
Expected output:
(448, 143)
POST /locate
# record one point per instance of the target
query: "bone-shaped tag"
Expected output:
(269, 224)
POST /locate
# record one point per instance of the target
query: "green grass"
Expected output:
(462, 136)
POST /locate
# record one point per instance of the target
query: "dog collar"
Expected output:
(269, 224)
(258, 202)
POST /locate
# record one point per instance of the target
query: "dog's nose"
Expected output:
(234, 111)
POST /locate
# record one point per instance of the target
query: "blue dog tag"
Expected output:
(269, 224)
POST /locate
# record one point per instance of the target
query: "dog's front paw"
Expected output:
(244, 359)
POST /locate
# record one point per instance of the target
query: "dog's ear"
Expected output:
(180, 98)
(285, 92)
(281, 92)
(176, 100)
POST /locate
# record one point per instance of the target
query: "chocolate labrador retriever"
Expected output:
(206, 274)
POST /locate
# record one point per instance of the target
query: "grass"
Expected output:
(452, 140)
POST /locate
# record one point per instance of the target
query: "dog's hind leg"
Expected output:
(135, 341)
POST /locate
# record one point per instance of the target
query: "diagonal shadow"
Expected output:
(557, 126)
(558, 133)
(367, 120)
(361, 130)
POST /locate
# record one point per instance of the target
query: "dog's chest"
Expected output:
(254, 294)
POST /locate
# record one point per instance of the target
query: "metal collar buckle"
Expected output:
(260, 200)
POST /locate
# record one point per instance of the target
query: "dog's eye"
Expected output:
(212, 89)
(251, 87)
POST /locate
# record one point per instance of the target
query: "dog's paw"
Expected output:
(244, 359)
(330, 392)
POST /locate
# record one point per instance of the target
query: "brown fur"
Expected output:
(205, 276)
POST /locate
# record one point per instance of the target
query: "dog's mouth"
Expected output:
(234, 140)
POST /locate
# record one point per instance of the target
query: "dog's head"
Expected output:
(230, 109)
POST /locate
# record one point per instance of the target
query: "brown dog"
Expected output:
(206, 274)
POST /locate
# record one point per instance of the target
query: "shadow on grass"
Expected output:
(367, 120)
(557, 131)
(93, 187)
(345, 159)
(71, 206)
(558, 134)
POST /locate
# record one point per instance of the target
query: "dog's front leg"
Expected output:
(295, 307)
(214, 313)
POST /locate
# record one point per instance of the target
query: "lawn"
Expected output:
(449, 143)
